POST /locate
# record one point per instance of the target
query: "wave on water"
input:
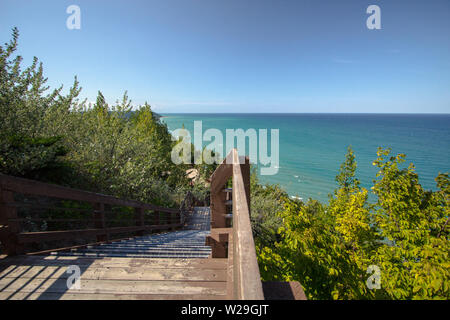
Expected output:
(314, 145)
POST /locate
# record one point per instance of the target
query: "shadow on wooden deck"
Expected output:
(45, 277)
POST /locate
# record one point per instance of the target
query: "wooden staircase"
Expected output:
(45, 277)
(186, 253)
(186, 244)
(170, 265)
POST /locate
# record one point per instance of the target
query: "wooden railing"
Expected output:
(235, 243)
(186, 206)
(91, 208)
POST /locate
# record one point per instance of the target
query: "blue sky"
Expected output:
(244, 56)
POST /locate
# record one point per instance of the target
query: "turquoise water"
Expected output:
(312, 146)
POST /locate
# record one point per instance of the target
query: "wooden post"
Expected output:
(163, 218)
(218, 210)
(218, 240)
(156, 216)
(230, 269)
(173, 219)
(246, 270)
(8, 212)
(99, 221)
(245, 169)
(139, 217)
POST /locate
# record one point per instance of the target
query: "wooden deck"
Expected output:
(45, 277)
(172, 253)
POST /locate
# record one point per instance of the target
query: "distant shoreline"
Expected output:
(302, 113)
(312, 146)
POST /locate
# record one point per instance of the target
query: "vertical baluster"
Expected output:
(218, 209)
(162, 218)
(8, 212)
(173, 218)
(156, 220)
(245, 169)
(139, 216)
(100, 222)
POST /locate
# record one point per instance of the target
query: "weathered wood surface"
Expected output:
(246, 270)
(234, 277)
(25, 186)
(244, 281)
(45, 277)
(105, 296)
(291, 290)
(12, 237)
(26, 237)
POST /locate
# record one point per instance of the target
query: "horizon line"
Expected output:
(387, 113)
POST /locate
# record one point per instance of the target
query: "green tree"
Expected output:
(116, 149)
(328, 248)
(414, 261)
(28, 145)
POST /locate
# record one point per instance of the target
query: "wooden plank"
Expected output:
(245, 172)
(109, 262)
(49, 251)
(220, 177)
(139, 217)
(27, 237)
(100, 222)
(291, 290)
(26, 186)
(246, 269)
(105, 296)
(244, 277)
(156, 220)
(222, 173)
(10, 243)
(115, 273)
(221, 234)
(230, 266)
(113, 286)
(218, 241)
(225, 171)
(12, 240)
(218, 210)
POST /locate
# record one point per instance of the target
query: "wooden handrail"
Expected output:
(13, 239)
(37, 188)
(244, 273)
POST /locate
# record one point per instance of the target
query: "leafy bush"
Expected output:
(117, 150)
(329, 248)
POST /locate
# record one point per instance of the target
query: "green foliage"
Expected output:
(50, 136)
(36, 158)
(29, 146)
(328, 248)
(346, 177)
(416, 263)
(266, 201)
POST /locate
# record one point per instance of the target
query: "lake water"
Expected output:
(312, 146)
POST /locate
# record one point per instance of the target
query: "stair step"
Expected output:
(125, 255)
(165, 245)
(187, 243)
(206, 249)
